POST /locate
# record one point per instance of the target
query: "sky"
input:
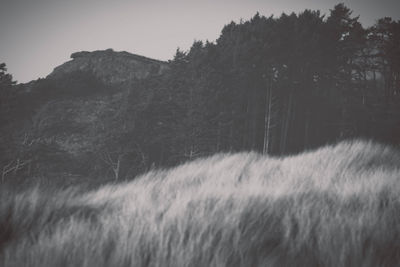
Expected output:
(38, 35)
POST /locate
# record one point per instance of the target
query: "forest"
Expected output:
(274, 85)
(277, 86)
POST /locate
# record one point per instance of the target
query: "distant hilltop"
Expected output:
(111, 67)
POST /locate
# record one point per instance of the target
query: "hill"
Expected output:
(336, 206)
(275, 85)
(111, 67)
(70, 124)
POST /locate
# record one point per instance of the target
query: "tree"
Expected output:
(385, 37)
(6, 79)
(7, 94)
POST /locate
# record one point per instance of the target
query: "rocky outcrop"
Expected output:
(66, 123)
(111, 67)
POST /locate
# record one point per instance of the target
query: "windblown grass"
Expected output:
(337, 206)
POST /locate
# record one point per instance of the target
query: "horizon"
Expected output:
(37, 37)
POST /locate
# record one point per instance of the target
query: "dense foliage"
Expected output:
(278, 86)
(273, 85)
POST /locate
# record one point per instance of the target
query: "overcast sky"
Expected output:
(38, 35)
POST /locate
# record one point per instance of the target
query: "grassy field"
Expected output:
(336, 206)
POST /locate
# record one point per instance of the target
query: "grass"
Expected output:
(336, 206)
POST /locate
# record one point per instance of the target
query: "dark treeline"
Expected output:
(273, 85)
(278, 86)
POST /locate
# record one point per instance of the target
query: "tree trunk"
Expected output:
(286, 122)
(307, 128)
(253, 120)
(246, 134)
(117, 168)
(16, 167)
(218, 137)
(267, 120)
(231, 132)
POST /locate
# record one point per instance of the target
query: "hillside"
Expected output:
(111, 67)
(334, 207)
(69, 125)
(274, 85)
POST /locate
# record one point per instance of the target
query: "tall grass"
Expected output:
(337, 206)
